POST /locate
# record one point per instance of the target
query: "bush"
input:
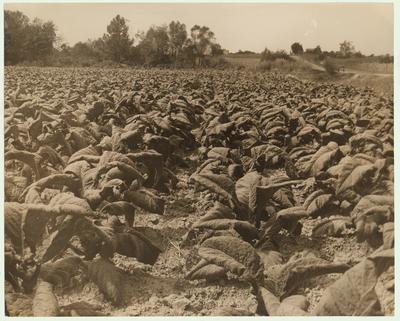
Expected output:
(330, 67)
(268, 55)
(321, 56)
(387, 59)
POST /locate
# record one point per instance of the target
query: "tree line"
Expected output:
(346, 50)
(36, 41)
(27, 40)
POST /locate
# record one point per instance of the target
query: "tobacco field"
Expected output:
(192, 193)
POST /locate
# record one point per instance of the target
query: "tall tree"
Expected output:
(15, 27)
(117, 40)
(202, 40)
(177, 37)
(27, 41)
(346, 48)
(41, 39)
(155, 46)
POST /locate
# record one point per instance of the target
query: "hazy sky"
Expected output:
(236, 26)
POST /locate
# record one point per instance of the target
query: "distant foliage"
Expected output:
(268, 55)
(244, 52)
(346, 51)
(177, 38)
(167, 45)
(297, 48)
(25, 40)
(316, 51)
(36, 43)
(117, 42)
(387, 59)
(347, 48)
(155, 47)
(202, 42)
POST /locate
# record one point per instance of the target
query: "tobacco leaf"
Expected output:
(320, 204)
(136, 245)
(45, 303)
(370, 213)
(60, 242)
(146, 200)
(325, 157)
(332, 227)
(231, 312)
(60, 272)
(219, 184)
(388, 235)
(283, 280)
(354, 293)
(232, 254)
(274, 307)
(120, 208)
(210, 272)
(352, 173)
(108, 278)
(81, 308)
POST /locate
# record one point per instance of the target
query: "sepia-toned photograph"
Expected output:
(198, 159)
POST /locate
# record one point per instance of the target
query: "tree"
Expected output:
(346, 48)
(177, 37)
(386, 59)
(41, 39)
(15, 27)
(81, 50)
(99, 48)
(244, 52)
(65, 48)
(202, 40)
(117, 40)
(216, 49)
(189, 52)
(27, 41)
(297, 48)
(315, 51)
(155, 46)
(358, 54)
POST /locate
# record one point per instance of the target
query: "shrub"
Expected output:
(321, 56)
(387, 59)
(268, 55)
(297, 48)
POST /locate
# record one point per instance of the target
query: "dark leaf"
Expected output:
(44, 303)
(108, 278)
(332, 227)
(354, 293)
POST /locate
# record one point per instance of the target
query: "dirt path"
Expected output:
(355, 72)
(308, 63)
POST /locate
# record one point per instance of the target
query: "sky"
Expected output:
(245, 26)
